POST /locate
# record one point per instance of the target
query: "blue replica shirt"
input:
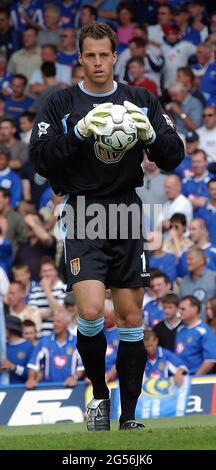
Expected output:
(112, 347)
(58, 361)
(11, 181)
(208, 214)
(195, 345)
(33, 10)
(183, 169)
(208, 81)
(210, 252)
(153, 313)
(163, 364)
(196, 187)
(5, 82)
(17, 107)
(166, 263)
(19, 353)
(192, 35)
(6, 255)
(45, 198)
(68, 12)
(67, 59)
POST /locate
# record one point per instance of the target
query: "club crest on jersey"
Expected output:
(107, 156)
(42, 128)
(75, 266)
(168, 120)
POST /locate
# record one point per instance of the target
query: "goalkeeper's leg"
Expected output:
(131, 356)
(91, 344)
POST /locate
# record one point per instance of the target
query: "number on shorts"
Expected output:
(143, 257)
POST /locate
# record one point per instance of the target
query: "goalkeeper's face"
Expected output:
(98, 59)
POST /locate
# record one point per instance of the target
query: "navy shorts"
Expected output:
(114, 260)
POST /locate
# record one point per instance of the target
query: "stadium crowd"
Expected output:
(169, 48)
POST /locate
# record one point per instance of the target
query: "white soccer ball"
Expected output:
(120, 133)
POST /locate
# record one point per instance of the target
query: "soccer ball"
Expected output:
(120, 133)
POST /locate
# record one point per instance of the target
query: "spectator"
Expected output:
(51, 85)
(208, 212)
(29, 332)
(153, 62)
(164, 19)
(21, 274)
(17, 103)
(5, 77)
(68, 11)
(8, 178)
(72, 313)
(9, 38)
(59, 356)
(204, 70)
(200, 238)
(166, 330)
(4, 284)
(195, 341)
(67, 53)
(200, 282)
(88, 14)
(28, 58)
(136, 72)
(125, 19)
(176, 53)
(207, 133)
(49, 295)
(24, 14)
(152, 191)
(191, 144)
(112, 338)
(186, 76)
(211, 313)
(162, 363)
(63, 73)
(39, 244)
(33, 184)
(6, 253)
(18, 150)
(195, 186)
(153, 311)
(182, 20)
(177, 242)
(50, 34)
(198, 21)
(19, 352)
(4, 377)
(184, 108)
(145, 11)
(164, 262)
(15, 225)
(18, 307)
(26, 123)
(177, 202)
(78, 74)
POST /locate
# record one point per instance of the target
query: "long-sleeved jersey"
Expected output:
(81, 167)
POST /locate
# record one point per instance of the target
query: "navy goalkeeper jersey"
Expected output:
(81, 167)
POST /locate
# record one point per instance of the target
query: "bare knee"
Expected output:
(91, 311)
(132, 319)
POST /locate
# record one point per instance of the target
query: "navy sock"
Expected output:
(130, 365)
(92, 350)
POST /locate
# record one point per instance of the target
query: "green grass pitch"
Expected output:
(186, 433)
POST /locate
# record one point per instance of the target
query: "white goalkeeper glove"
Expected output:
(145, 130)
(94, 121)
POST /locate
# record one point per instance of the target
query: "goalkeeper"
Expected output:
(64, 150)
